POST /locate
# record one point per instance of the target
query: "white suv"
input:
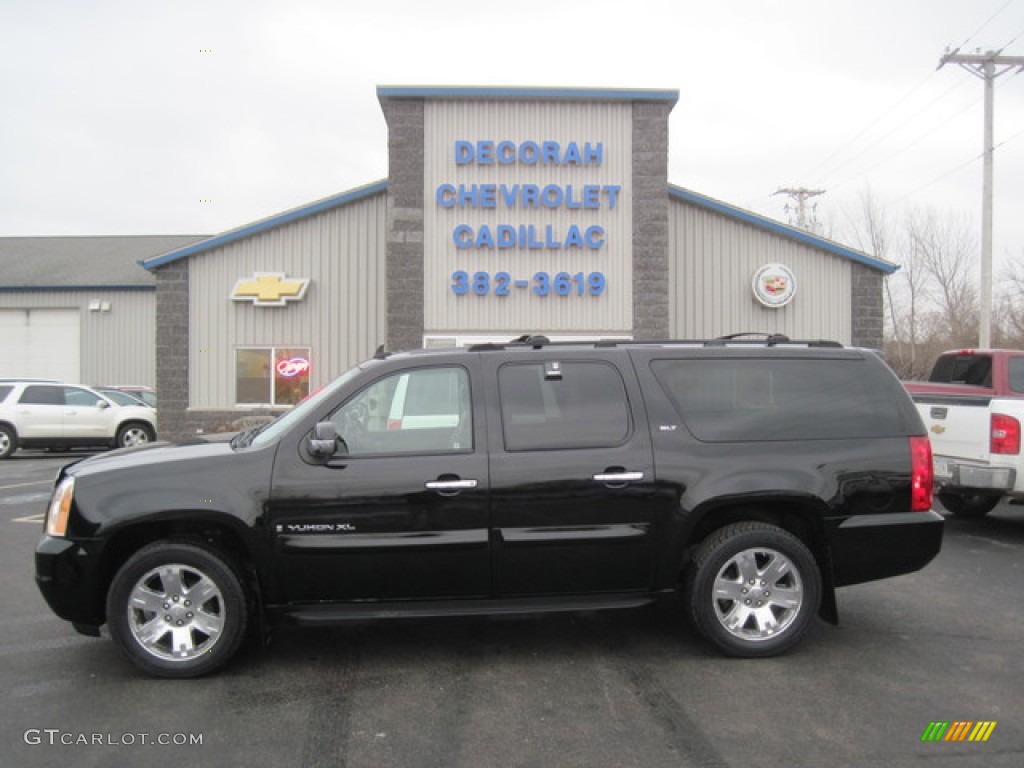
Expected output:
(45, 414)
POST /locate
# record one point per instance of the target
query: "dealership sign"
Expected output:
(513, 201)
(774, 285)
(270, 289)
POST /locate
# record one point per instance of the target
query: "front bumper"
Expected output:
(870, 547)
(66, 579)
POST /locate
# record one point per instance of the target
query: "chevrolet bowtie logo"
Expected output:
(270, 289)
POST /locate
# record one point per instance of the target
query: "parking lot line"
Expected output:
(23, 485)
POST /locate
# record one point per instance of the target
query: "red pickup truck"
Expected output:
(973, 407)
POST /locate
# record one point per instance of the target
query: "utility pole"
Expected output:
(804, 214)
(988, 66)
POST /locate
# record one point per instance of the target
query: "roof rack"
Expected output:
(735, 339)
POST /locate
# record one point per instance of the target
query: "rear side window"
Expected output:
(547, 406)
(744, 400)
(42, 395)
(5, 390)
(1016, 374)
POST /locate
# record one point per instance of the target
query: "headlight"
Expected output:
(60, 506)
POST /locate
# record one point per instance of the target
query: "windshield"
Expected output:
(272, 432)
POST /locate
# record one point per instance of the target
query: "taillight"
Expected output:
(922, 474)
(1005, 434)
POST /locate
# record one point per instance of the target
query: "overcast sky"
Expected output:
(198, 116)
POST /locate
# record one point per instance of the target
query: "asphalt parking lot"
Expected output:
(626, 689)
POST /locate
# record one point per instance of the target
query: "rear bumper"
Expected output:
(959, 474)
(870, 547)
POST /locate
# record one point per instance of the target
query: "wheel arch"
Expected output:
(799, 516)
(216, 535)
(132, 421)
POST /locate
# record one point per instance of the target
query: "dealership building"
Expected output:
(506, 211)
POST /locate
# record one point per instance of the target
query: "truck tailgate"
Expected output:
(959, 427)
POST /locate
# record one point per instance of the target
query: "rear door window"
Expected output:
(548, 406)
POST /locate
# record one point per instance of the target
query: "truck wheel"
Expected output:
(8, 442)
(177, 609)
(973, 505)
(132, 434)
(753, 589)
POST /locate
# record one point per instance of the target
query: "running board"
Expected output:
(334, 613)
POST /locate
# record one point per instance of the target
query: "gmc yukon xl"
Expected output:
(752, 478)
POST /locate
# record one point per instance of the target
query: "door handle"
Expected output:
(618, 477)
(451, 485)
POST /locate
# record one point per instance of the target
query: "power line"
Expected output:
(906, 122)
(884, 114)
(934, 129)
(988, 66)
(989, 21)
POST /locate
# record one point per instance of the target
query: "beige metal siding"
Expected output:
(609, 124)
(712, 261)
(341, 318)
(116, 342)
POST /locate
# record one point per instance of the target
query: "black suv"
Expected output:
(752, 477)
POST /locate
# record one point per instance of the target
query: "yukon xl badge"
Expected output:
(315, 528)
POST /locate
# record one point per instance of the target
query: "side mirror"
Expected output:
(101, 404)
(323, 440)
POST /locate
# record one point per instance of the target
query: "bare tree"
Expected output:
(945, 248)
(1009, 313)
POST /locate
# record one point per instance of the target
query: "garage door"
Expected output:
(40, 344)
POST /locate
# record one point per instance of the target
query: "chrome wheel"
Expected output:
(131, 435)
(753, 589)
(178, 608)
(176, 612)
(757, 594)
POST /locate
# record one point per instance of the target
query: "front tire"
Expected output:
(970, 505)
(754, 589)
(133, 434)
(177, 609)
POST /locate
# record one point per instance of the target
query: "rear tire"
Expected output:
(754, 589)
(969, 505)
(177, 609)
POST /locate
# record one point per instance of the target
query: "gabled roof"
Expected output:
(780, 229)
(72, 262)
(380, 187)
(280, 219)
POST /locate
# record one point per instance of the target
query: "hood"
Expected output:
(199, 449)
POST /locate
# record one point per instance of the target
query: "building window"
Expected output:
(271, 375)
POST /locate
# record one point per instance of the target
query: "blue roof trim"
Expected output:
(263, 225)
(565, 94)
(92, 288)
(778, 228)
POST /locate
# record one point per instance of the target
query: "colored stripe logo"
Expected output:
(959, 730)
